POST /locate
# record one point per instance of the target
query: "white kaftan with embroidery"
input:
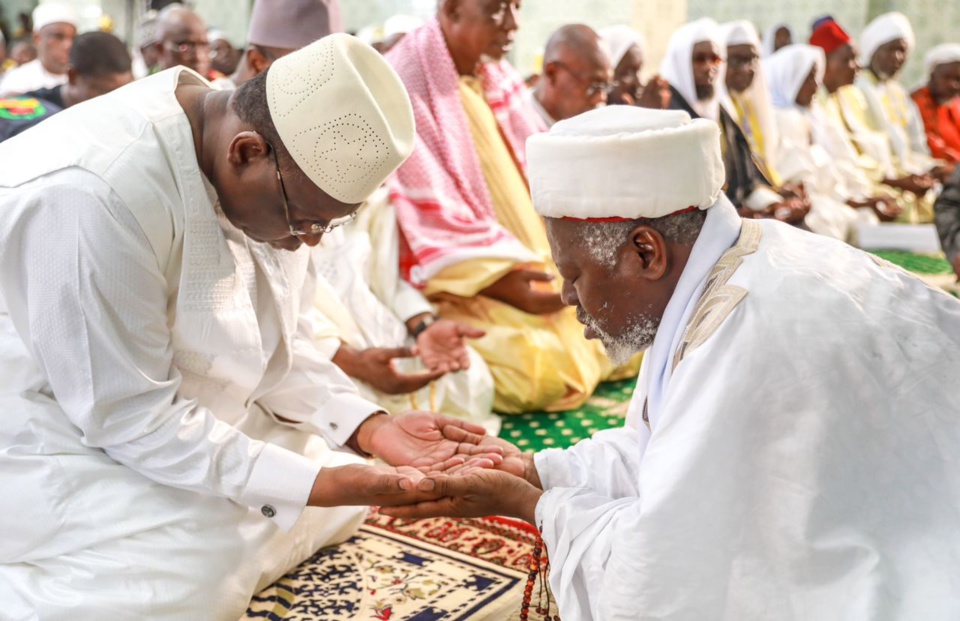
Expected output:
(804, 458)
(146, 350)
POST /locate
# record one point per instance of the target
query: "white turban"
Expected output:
(625, 162)
(677, 65)
(884, 29)
(400, 24)
(787, 69)
(770, 38)
(617, 41)
(740, 32)
(942, 55)
(743, 32)
(343, 114)
(53, 13)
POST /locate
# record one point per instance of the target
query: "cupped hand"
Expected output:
(443, 346)
(423, 439)
(375, 366)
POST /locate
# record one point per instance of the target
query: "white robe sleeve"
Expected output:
(316, 395)
(84, 291)
(608, 463)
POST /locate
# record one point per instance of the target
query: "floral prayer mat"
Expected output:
(409, 570)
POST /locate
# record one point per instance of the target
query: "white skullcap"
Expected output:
(740, 32)
(942, 55)
(617, 41)
(343, 114)
(53, 13)
(400, 24)
(882, 30)
(625, 162)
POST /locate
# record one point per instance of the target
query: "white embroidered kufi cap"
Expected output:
(53, 13)
(343, 114)
(625, 162)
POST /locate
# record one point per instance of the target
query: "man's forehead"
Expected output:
(706, 46)
(742, 49)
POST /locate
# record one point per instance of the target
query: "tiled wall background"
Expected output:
(935, 21)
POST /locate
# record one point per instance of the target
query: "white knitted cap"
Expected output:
(53, 13)
(625, 162)
(343, 114)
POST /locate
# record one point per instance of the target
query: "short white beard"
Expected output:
(638, 337)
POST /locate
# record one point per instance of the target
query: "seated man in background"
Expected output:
(576, 75)
(279, 27)
(182, 40)
(845, 108)
(776, 37)
(224, 58)
(99, 63)
(794, 75)
(886, 44)
(373, 325)
(791, 448)
(54, 27)
(624, 48)
(692, 66)
(939, 102)
(470, 236)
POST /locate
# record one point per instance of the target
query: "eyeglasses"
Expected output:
(188, 47)
(743, 62)
(594, 86)
(315, 228)
(707, 59)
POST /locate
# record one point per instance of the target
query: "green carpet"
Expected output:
(921, 264)
(535, 431)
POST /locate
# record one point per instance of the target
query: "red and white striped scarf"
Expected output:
(440, 195)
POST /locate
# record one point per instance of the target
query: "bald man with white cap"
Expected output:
(790, 451)
(171, 425)
(54, 27)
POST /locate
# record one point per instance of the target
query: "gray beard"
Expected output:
(638, 337)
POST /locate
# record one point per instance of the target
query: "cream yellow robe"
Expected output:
(538, 362)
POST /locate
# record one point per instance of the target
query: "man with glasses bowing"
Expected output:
(168, 423)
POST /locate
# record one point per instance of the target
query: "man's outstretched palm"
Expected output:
(422, 439)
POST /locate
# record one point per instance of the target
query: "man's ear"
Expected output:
(257, 61)
(246, 148)
(650, 250)
(550, 73)
(71, 76)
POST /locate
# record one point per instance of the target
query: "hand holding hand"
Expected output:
(473, 493)
(443, 345)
